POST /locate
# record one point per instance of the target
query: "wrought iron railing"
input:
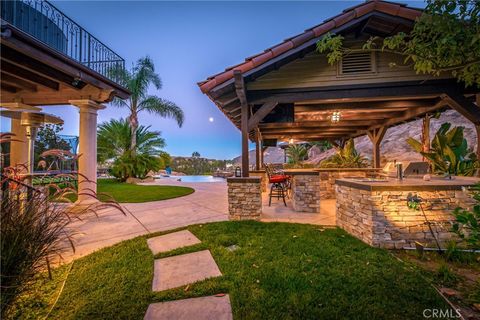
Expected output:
(46, 23)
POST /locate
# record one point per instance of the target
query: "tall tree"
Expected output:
(445, 39)
(138, 81)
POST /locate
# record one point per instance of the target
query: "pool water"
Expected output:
(196, 178)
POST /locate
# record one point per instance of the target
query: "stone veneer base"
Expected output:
(383, 219)
(306, 193)
(244, 198)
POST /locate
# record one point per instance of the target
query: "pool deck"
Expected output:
(207, 204)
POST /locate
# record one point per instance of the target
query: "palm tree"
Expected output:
(114, 140)
(138, 81)
(296, 153)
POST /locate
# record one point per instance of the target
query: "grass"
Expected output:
(132, 193)
(279, 271)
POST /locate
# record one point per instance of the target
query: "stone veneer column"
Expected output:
(306, 192)
(87, 161)
(244, 198)
(383, 219)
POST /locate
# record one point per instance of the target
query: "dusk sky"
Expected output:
(188, 42)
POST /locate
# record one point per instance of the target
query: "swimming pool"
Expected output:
(196, 178)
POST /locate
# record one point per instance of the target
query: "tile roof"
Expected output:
(349, 14)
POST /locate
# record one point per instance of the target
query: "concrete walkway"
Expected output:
(207, 204)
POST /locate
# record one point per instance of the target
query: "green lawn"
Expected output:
(126, 192)
(280, 271)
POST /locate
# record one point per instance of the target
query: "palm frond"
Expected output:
(163, 108)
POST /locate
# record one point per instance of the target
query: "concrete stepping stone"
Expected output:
(203, 308)
(177, 271)
(172, 241)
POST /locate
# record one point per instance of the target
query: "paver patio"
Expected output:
(171, 241)
(203, 308)
(176, 271)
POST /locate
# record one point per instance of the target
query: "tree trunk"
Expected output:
(133, 119)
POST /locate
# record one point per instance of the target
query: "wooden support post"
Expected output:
(244, 126)
(478, 140)
(257, 153)
(376, 136)
(241, 94)
(262, 149)
(426, 133)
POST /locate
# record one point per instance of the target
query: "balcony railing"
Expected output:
(46, 23)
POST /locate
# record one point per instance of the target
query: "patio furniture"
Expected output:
(279, 185)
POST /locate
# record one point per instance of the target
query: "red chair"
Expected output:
(279, 185)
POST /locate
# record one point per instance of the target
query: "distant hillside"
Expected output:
(393, 146)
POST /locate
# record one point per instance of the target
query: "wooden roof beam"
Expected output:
(261, 113)
(372, 105)
(463, 106)
(386, 91)
(240, 87)
(27, 75)
(315, 124)
(17, 82)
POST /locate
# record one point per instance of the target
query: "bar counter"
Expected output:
(377, 211)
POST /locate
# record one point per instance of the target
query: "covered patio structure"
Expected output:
(290, 92)
(48, 59)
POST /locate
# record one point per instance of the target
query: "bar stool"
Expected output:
(278, 186)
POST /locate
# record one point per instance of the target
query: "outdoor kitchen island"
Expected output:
(310, 186)
(381, 212)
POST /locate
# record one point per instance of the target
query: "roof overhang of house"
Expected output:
(35, 74)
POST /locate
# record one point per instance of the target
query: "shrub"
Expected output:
(346, 157)
(32, 231)
(449, 152)
(467, 222)
(138, 166)
(35, 229)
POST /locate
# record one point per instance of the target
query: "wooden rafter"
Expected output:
(261, 113)
(464, 106)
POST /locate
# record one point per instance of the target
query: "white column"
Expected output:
(18, 149)
(87, 162)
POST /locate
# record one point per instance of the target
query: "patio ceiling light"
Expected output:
(335, 117)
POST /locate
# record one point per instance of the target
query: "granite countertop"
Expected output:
(415, 184)
(317, 171)
(305, 172)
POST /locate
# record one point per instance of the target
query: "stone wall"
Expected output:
(262, 174)
(327, 181)
(244, 198)
(383, 219)
(306, 193)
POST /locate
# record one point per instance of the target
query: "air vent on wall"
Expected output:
(357, 63)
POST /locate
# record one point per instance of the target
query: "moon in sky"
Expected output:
(210, 119)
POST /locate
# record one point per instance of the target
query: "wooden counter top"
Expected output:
(408, 184)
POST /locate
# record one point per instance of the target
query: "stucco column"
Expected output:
(87, 161)
(18, 149)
